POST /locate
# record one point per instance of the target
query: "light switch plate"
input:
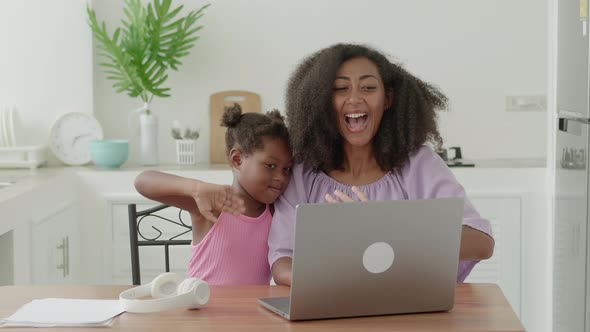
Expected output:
(526, 103)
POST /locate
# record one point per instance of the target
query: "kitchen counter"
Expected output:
(160, 167)
(16, 181)
(121, 180)
(479, 163)
(508, 163)
(44, 171)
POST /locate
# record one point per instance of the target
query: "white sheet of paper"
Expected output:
(19, 324)
(65, 312)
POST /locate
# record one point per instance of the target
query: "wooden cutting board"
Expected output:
(250, 103)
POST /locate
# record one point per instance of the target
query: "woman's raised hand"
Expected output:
(342, 197)
(212, 199)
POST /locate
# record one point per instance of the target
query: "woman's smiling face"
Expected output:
(359, 100)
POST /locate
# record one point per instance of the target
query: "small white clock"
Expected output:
(70, 137)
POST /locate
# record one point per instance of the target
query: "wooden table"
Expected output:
(478, 307)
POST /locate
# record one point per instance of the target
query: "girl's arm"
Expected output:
(200, 199)
(168, 189)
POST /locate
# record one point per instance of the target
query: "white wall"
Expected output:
(45, 62)
(476, 51)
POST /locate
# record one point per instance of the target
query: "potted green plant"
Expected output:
(152, 39)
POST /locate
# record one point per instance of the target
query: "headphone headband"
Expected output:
(136, 292)
(192, 293)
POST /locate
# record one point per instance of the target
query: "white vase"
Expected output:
(148, 132)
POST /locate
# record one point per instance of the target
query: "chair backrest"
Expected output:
(137, 239)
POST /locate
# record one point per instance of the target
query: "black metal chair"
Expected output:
(135, 219)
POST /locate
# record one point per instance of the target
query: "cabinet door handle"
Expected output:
(64, 249)
(576, 240)
(67, 262)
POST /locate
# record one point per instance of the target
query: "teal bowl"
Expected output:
(109, 153)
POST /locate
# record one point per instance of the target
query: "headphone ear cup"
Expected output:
(199, 288)
(165, 285)
(186, 285)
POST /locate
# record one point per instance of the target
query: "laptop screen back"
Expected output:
(374, 258)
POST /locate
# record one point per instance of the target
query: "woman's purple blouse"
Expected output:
(424, 176)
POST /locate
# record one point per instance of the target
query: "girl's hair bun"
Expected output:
(231, 115)
(275, 115)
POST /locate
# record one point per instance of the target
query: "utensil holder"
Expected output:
(186, 151)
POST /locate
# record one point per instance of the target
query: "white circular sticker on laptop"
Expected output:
(378, 257)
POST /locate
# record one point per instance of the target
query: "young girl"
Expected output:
(231, 223)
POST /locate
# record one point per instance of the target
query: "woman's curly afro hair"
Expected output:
(405, 127)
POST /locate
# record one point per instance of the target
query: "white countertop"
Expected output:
(479, 163)
(18, 173)
(25, 179)
(507, 163)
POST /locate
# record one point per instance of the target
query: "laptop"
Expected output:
(373, 258)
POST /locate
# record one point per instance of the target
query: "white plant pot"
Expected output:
(148, 132)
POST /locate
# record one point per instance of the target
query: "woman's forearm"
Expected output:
(475, 245)
(281, 271)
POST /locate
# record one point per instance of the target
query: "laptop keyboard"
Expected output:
(279, 304)
(283, 304)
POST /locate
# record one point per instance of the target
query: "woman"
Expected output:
(359, 125)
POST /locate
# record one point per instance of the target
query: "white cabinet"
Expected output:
(56, 246)
(6, 259)
(570, 260)
(39, 228)
(504, 267)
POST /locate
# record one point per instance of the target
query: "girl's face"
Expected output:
(264, 174)
(359, 99)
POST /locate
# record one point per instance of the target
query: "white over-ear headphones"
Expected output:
(168, 292)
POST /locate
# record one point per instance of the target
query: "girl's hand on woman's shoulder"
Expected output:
(212, 199)
(342, 197)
